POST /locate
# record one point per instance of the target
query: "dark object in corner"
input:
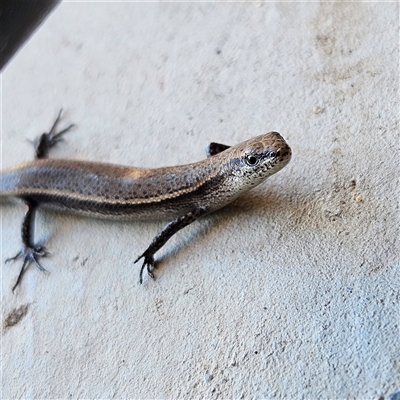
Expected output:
(18, 21)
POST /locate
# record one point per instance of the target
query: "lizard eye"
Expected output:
(251, 160)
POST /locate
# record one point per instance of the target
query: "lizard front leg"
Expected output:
(214, 148)
(168, 231)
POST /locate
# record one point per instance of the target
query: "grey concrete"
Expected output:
(292, 291)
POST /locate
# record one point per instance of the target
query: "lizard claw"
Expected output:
(148, 263)
(29, 254)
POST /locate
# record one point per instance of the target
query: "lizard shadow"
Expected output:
(221, 220)
(206, 227)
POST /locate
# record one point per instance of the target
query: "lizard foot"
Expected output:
(47, 140)
(148, 263)
(29, 254)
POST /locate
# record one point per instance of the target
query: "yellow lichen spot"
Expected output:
(358, 199)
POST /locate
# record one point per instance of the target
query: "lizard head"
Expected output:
(258, 158)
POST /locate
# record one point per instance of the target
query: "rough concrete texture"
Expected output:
(290, 292)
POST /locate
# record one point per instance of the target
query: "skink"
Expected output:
(182, 193)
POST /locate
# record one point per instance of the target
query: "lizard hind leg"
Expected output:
(29, 253)
(47, 140)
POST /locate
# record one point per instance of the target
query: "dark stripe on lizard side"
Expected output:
(124, 209)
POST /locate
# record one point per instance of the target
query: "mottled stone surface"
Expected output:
(290, 292)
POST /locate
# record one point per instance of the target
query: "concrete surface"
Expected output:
(292, 291)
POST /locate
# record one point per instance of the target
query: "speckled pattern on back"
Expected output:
(116, 191)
